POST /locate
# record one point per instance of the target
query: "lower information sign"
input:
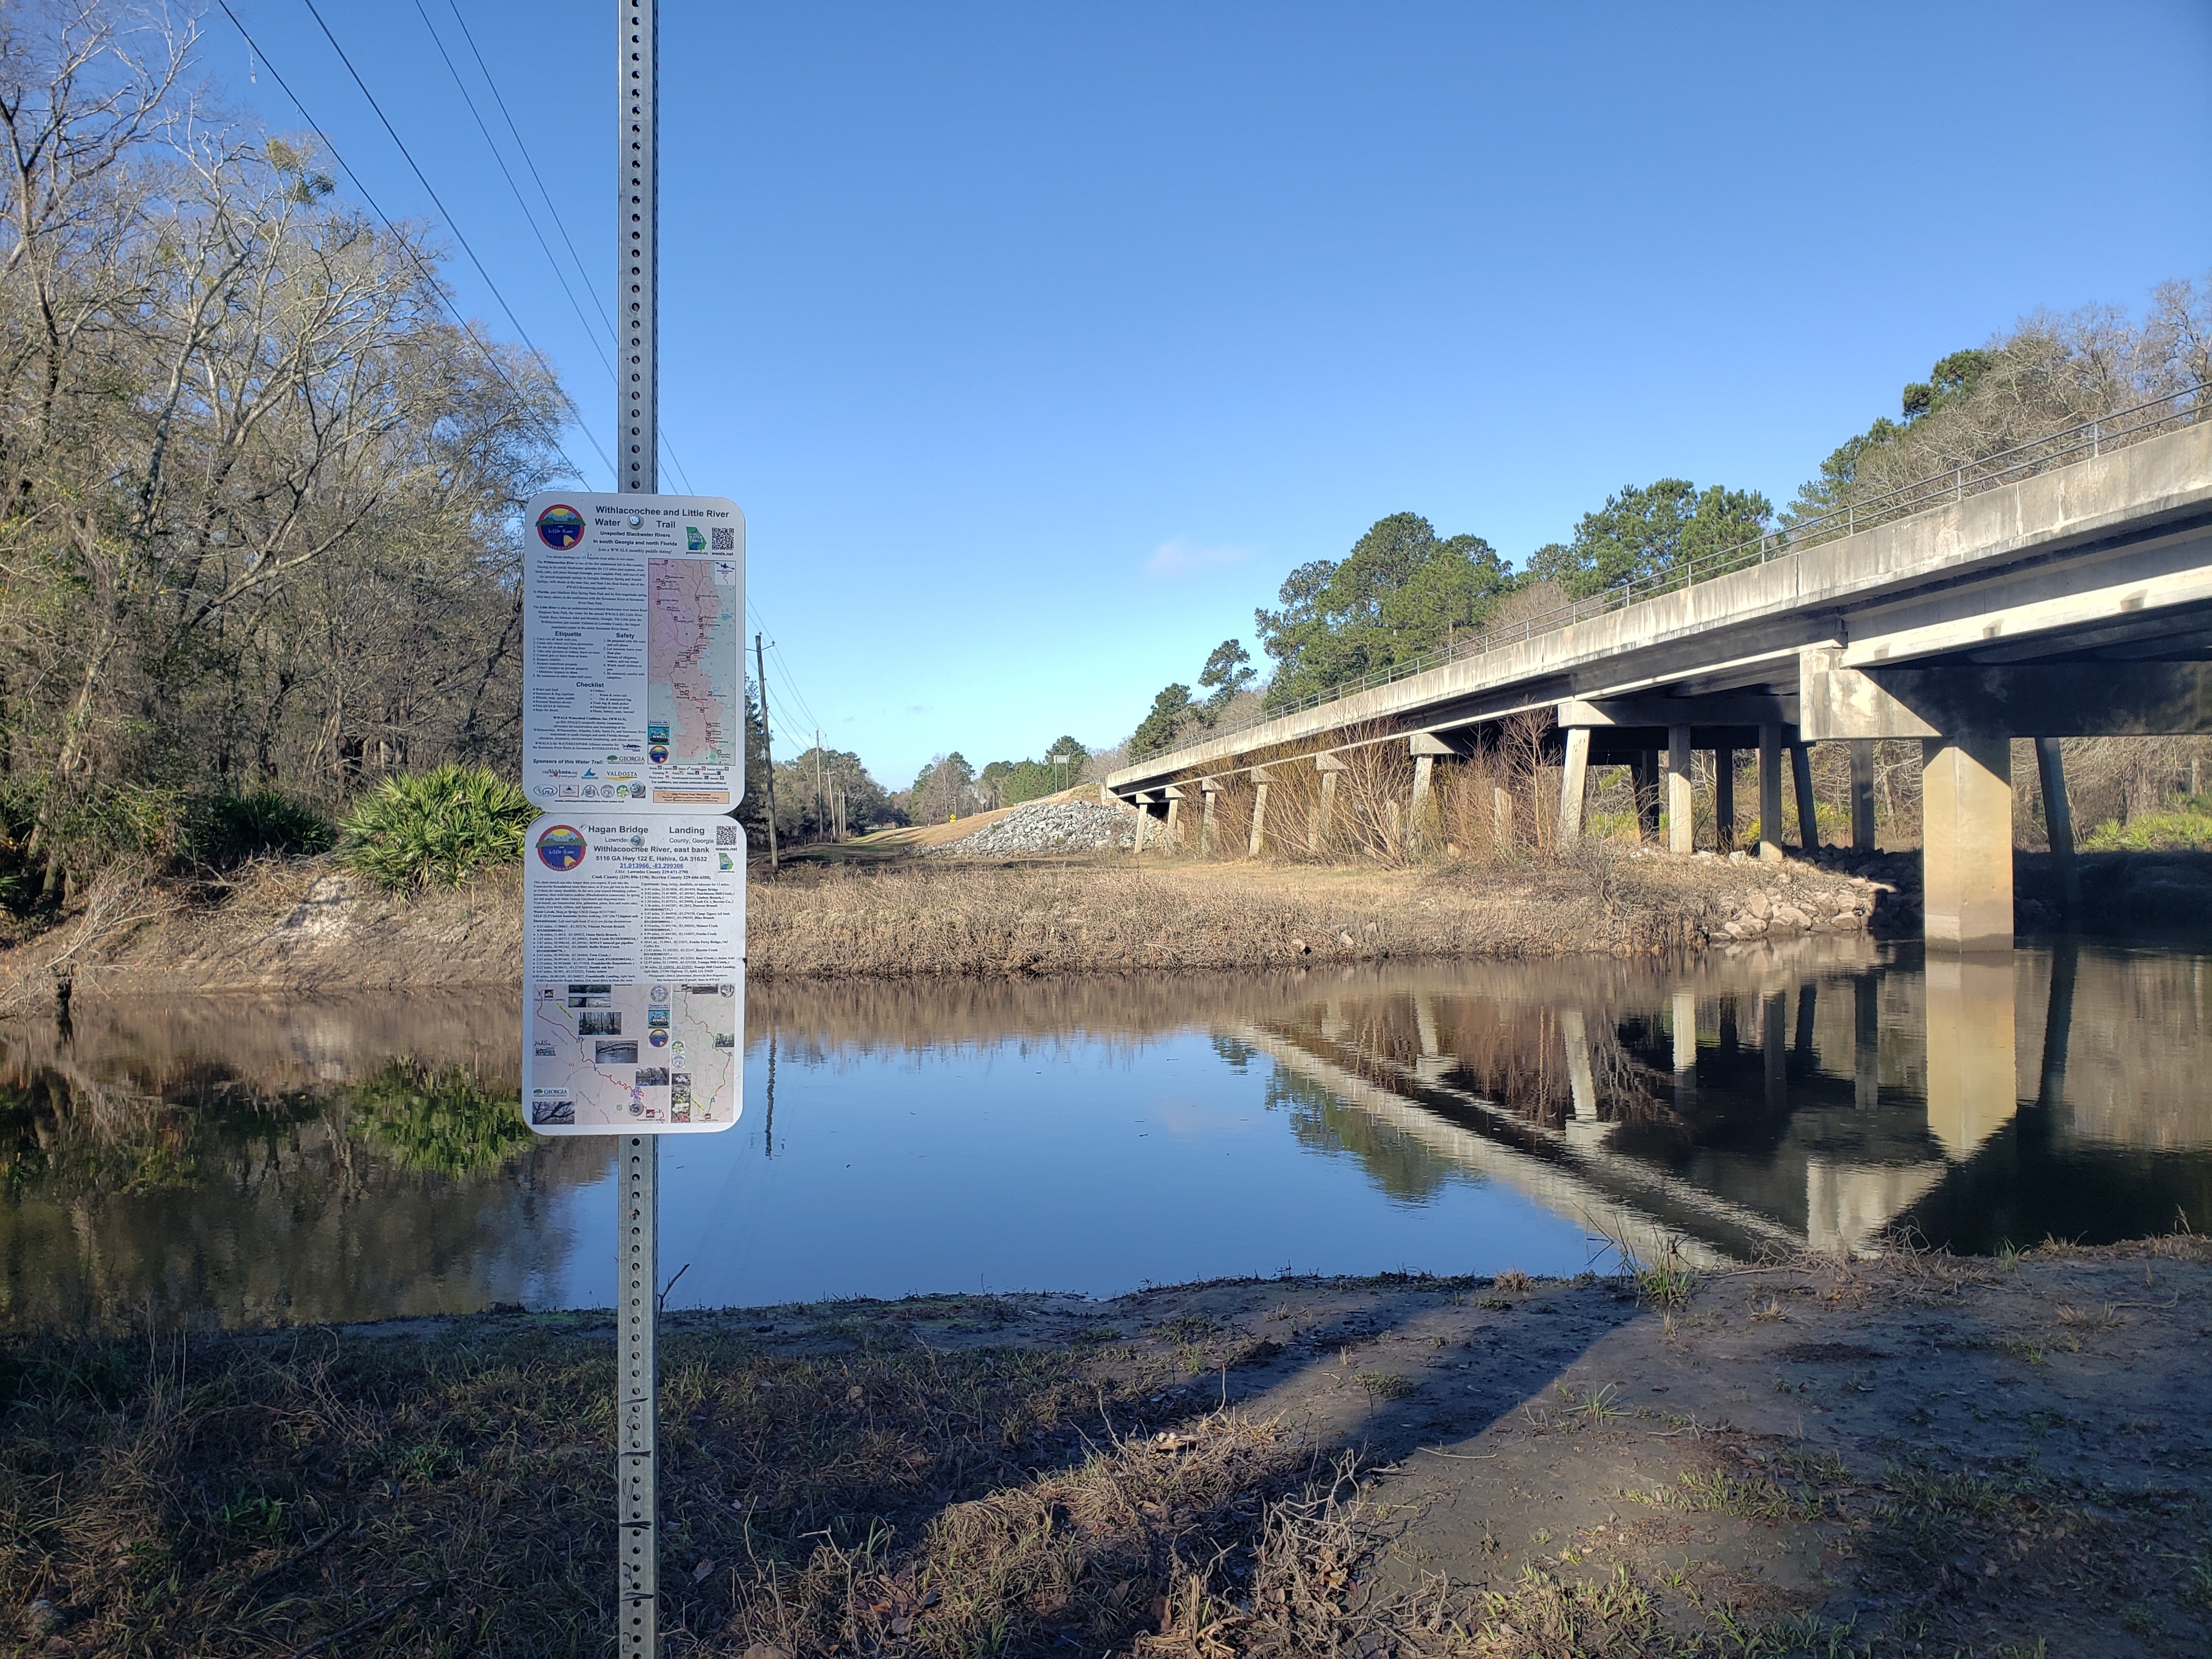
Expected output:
(634, 992)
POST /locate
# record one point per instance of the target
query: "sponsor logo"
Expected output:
(561, 848)
(560, 526)
(657, 754)
(693, 541)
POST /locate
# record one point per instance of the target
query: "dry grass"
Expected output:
(451, 1494)
(1120, 912)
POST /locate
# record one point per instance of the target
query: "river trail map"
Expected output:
(604, 1057)
(691, 642)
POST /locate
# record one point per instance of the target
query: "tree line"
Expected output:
(1403, 591)
(259, 481)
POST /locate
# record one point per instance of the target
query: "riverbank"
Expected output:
(1912, 1454)
(302, 926)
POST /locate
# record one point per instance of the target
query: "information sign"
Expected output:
(633, 995)
(633, 685)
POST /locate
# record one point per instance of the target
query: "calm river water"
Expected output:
(262, 1161)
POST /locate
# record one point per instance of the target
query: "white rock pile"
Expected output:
(1058, 826)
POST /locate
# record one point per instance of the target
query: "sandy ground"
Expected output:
(1918, 1453)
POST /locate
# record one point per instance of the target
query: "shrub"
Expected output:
(435, 829)
(228, 830)
(2183, 831)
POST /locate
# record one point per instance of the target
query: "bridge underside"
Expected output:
(2077, 604)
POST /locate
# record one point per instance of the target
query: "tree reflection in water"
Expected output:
(266, 1161)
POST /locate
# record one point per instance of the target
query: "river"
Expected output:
(250, 1161)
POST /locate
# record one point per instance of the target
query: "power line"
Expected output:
(421, 264)
(452, 223)
(560, 223)
(515, 189)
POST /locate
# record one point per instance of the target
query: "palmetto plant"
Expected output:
(435, 829)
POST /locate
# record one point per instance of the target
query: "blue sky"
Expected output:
(1039, 342)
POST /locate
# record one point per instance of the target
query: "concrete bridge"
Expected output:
(2074, 601)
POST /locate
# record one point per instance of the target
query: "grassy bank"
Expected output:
(1117, 913)
(1911, 1456)
(304, 925)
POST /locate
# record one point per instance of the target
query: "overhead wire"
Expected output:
(782, 663)
(552, 210)
(414, 253)
(531, 218)
(452, 223)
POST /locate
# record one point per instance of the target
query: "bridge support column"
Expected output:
(1681, 808)
(1574, 782)
(1808, 812)
(1417, 819)
(1862, 795)
(1144, 818)
(1724, 799)
(1965, 793)
(1175, 814)
(1770, 794)
(1259, 819)
(1211, 789)
(1321, 821)
(2058, 821)
(1501, 820)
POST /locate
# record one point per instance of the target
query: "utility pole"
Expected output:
(768, 751)
(637, 1157)
(821, 823)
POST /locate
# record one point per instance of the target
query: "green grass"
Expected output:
(2186, 829)
(436, 829)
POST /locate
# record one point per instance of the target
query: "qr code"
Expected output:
(725, 541)
(725, 835)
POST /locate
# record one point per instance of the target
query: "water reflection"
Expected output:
(273, 1160)
(357, 1158)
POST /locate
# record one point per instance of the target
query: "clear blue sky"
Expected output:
(1039, 342)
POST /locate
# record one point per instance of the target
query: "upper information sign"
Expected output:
(633, 690)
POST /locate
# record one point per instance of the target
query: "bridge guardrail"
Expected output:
(2083, 440)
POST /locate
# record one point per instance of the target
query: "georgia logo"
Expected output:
(561, 848)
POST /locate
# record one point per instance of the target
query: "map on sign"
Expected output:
(690, 646)
(600, 1052)
(633, 681)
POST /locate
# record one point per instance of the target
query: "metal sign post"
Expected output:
(637, 1210)
(634, 874)
(637, 1473)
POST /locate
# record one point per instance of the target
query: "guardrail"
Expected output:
(2082, 440)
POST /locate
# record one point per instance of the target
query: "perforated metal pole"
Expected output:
(637, 1312)
(637, 1213)
(637, 246)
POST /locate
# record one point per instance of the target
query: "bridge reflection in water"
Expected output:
(1823, 1098)
(257, 1161)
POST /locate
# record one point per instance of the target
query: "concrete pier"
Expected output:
(1258, 837)
(1965, 789)
(2058, 823)
(1682, 805)
(1574, 786)
(1724, 797)
(1862, 828)
(1769, 794)
(1808, 809)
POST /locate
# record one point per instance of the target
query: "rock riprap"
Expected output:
(1060, 826)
